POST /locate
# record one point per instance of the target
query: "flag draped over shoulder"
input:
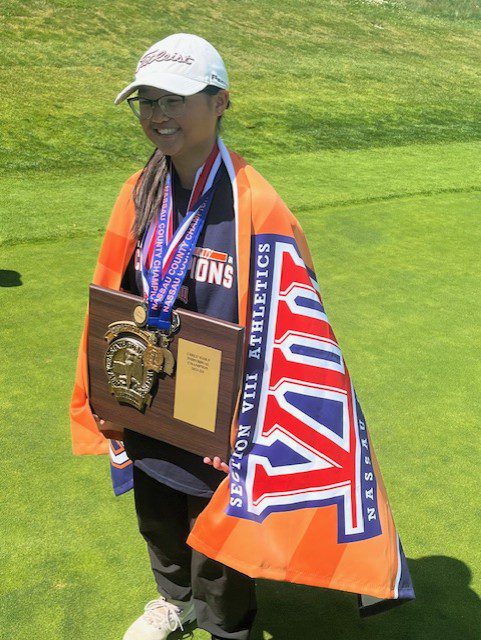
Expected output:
(304, 501)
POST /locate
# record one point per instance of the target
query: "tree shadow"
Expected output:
(445, 607)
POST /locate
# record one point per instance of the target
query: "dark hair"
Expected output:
(147, 192)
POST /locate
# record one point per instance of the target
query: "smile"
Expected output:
(167, 132)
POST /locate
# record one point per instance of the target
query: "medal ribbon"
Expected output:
(165, 255)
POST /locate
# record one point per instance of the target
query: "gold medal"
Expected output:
(168, 358)
(135, 357)
(140, 315)
(154, 358)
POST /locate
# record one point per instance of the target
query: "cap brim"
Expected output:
(166, 81)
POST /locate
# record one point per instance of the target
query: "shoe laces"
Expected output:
(159, 612)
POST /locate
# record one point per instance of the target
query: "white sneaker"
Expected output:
(161, 617)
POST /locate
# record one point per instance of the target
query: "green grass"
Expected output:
(394, 281)
(372, 137)
(50, 206)
(305, 75)
(459, 9)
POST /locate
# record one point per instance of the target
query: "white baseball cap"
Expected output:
(182, 63)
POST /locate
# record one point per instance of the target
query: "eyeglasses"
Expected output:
(171, 106)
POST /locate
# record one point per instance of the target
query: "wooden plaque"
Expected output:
(193, 408)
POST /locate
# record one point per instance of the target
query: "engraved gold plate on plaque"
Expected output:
(197, 384)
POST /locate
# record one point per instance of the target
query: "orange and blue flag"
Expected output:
(304, 501)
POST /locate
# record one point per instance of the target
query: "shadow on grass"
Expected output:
(10, 278)
(445, 607)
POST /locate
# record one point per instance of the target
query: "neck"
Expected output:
(187, 166)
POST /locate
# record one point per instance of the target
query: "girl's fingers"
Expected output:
(217, 463)
(221, 466)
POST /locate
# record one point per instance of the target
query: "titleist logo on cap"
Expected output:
(163, 56)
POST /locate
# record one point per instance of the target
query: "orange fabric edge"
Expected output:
(255, 571)
(86, 438)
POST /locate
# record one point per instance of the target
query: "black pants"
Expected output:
(224, 599)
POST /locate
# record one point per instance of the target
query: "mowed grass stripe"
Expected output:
(304, 76)
(46, 206)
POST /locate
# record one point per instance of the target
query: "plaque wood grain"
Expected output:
(157, 421)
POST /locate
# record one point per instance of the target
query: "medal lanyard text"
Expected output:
(171, 259)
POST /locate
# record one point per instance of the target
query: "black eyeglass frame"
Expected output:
(157, 102)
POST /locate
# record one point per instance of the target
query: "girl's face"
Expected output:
(195, 128)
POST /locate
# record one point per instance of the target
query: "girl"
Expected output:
(300, 503)
(181, 86)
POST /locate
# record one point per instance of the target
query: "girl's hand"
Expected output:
(97, 419)
(108, 429)
(218, 464)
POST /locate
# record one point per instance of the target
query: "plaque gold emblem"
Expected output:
(135, 357)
